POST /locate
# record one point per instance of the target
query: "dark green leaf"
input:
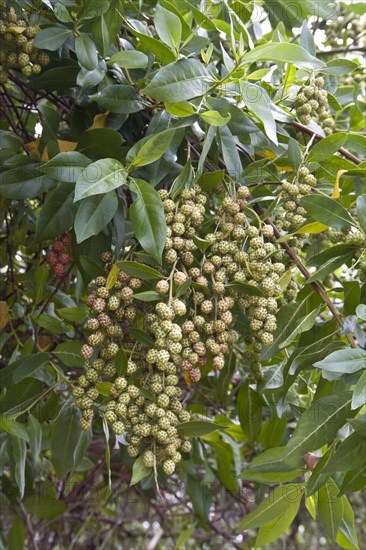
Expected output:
(22, 368)
(24, 182)
(119, 98)
(57, 213)
(249, 407)
(276, 528)
(361, 211)
(100, 177)
(285, 53)
(179, 81)
(330, 508)
(349, 455)
(168, 27)
(141, 271)
(319, 423)
(147, 296)
(94, 214)
(273, 506)
(324, 148)
(327, 211)
(148, 219)
(359, 392)
(344, 361)
(65, 435)
(150, 148)
(66, 166)
(52, 38)
(197, 428)
(184, 178)
(329, 267)
(86, 52)
(19, 452)
(139, 471)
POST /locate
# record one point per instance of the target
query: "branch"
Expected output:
(341, 150)
(342, 50)
(307, 275)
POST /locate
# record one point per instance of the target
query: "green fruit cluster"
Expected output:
(343, 31)
(291, 195)
(17, 50)
(212, 273)
(312, 104)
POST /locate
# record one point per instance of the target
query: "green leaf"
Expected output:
(147, 296)
(130, 59)
(72, 314)
(214, 118)
(22, 368)
(184, 178)
(45, 505)
(274, 460)
(99, 144)
(330, 508)
(307, 39)
(359, 392)
(349, 455)
(230, 152)
(180, 109)
(287, 318)
(86, 52)
(40, 277)
(139, 471)
(148, 219)
(276, 528)
(293, 150)
(51, 38)
(13, 428)
(284, 53)
(94, 214)
(324, 256)
(329, 267)
(361, 312)
(142, 337)
(318, 477)
(361, 211)
(16, 535)
(141, 271)
(168, 27)
(150, 148)
(121, 362)
(57, 213)
(319, 423)
(197, 428)
(25, 182)
(249, 407)
(91, 267)
(354, 480)
(271, 477)
(34, 430)
(303, 324)
(347, 535)
(88, 79)
(100, 177)
(275, 505)
(66, 432)
(210, 180)
(224, 460)
(325, 148)
(327, 211)
(179, 81)
(69, 353)
(257, 100)
(155, 46)
(345, 361)
(61, 13)
(19, 452)
(66, 167)
(119, 98)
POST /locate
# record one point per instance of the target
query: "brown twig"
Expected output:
(342, 50)
(307, 275)
(29, 527)
(346, 154)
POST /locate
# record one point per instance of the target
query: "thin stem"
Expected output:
(346, 154)
(307, 275)
(342, 50)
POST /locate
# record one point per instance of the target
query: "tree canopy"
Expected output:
(183, 234)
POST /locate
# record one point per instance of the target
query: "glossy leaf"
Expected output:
(94, 214)
(148, 220)
(327, 211)
(100, 177)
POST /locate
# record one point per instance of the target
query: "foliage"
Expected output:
(183, 226)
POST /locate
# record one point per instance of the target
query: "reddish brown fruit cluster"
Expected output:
(58, 257)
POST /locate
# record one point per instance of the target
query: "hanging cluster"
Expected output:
(344, 31)
(209, 278)
(144, 394)
(312, 104)
(292, 192)
(59, 256)
(17, 50)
